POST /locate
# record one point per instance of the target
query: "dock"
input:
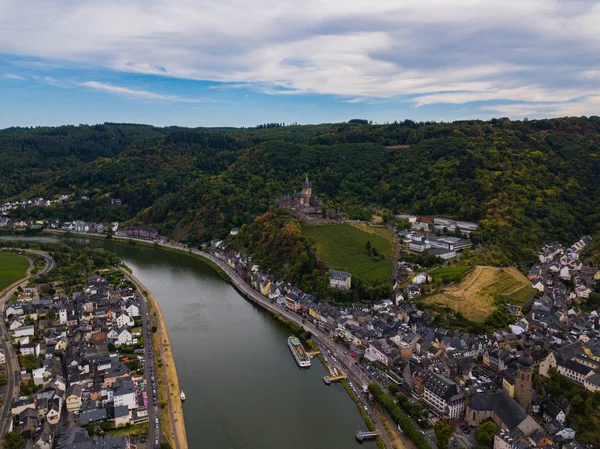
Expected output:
(367, 435)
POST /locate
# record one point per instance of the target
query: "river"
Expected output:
(243, 388)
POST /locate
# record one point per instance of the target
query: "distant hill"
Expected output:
(526, 182)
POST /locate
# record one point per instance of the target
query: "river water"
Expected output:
(243, 387)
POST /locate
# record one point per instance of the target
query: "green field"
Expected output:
(343, 247)
(12, 268)
(454, 273)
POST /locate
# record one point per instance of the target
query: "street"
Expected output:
(154, 429)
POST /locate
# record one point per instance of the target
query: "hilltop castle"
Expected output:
(303, 201)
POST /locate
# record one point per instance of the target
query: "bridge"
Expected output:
(368, 435)
(312, 353)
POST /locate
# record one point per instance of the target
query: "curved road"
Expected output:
(12, 363)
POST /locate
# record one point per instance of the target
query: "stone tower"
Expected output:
(306, 192)
(523, 384)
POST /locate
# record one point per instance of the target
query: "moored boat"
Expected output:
(298, 351)
(182, 396)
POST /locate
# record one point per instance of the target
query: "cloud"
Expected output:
(141, 94)
(13, 77)
(426, 52)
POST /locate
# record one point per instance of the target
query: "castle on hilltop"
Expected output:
(303, 201)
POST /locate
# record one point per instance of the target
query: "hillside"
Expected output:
(343, 247)
(526, 182)
(483, 290)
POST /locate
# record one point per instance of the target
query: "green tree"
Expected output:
(443, 433)
(13, 440)
(485, 433)
(369, 248)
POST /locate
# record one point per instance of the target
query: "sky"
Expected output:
(247, 62)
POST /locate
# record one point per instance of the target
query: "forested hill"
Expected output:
(527, 182)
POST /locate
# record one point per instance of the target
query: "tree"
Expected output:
(368, 246)
(443, 433)
(13, 440)
(51, 315)
(485, 433)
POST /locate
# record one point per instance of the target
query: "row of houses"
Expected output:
(77, 374)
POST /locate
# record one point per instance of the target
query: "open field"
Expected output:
(380, 230)
(343, 247)
(474, 297)
(454, 273)
(12, 268)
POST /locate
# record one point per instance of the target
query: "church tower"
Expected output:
(523, 390)
(306, 192)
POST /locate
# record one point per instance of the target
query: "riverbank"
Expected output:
(168, 381)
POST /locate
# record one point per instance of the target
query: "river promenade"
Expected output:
(170, 380)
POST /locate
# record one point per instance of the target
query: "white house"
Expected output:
(421, 278)
(23, 331)
(123, 320)
(340, 280)
(565, 273)
(373, 354)
(2, 358)
(124, 337)
(30, 349)
(124, 393)
(14, 309)
(133, 310)
(62, 316)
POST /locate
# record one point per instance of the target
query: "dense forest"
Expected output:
(526, 182)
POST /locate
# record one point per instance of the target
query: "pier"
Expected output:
(368, 435)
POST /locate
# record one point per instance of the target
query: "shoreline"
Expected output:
(170, 379)
(244, 290)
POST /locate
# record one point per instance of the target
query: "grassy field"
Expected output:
(474, 297)
(343, 247)
(453, 272)
(12, 268)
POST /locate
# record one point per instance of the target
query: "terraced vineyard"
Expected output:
(474, 297)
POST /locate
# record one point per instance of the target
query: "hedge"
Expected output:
(399, 416)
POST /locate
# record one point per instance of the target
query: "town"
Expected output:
(448, 376)
(86, 365)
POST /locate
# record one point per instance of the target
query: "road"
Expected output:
(154, 432)
(12, 363)
(175, 413)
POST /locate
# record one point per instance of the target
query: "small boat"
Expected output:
(182, 395)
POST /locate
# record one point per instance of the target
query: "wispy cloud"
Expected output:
(424, 53)
(133, 93)
(13, 76)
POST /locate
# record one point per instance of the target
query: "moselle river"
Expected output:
(243, 387)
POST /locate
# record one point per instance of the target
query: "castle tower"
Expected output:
(523, 384)
(306, 192)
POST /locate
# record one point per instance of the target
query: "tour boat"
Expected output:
(299, 352)
(182, 396)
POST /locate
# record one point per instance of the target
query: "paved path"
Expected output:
(12, 363)
(175, 408)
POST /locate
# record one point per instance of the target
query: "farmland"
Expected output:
(475, 296)
(12, 268)
(343, 247)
